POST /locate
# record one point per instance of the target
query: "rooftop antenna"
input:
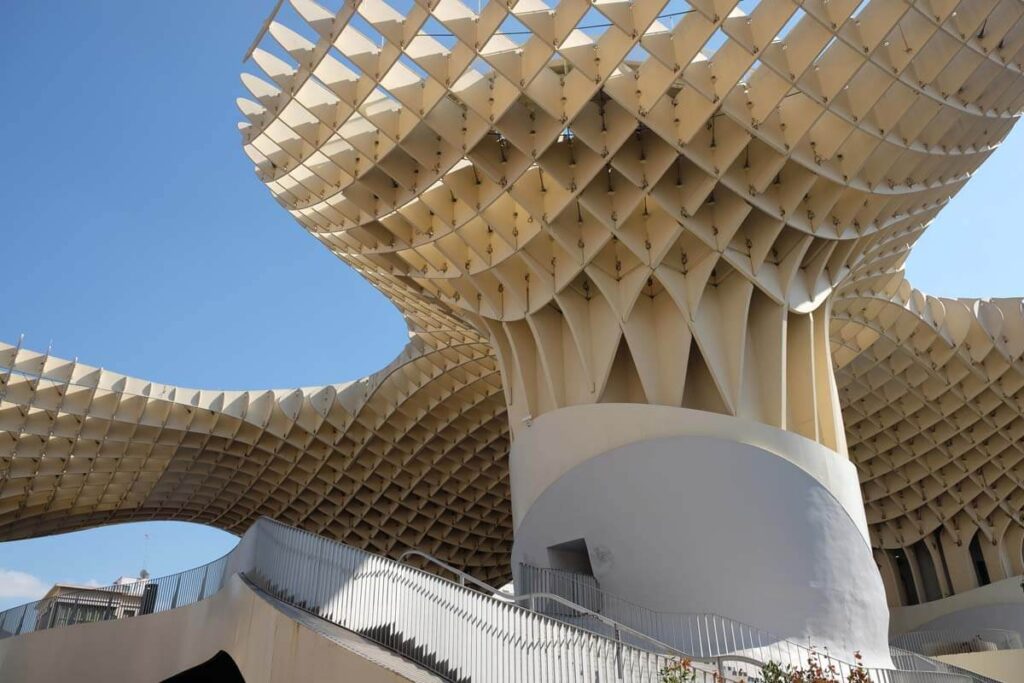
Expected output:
(144, 574)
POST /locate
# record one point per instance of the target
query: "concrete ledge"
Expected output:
(1003, 665)
(558, 441)
(997, 605)
(268, 644)
(702, 521)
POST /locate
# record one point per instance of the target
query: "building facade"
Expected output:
(69, 604)
(650, 256)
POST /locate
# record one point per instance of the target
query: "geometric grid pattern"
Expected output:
(933, 400)
(643, 202)
(413, 456)
(654, 202)
(932, 394)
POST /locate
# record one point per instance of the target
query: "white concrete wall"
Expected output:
(1005, 665)
(698, 523)
(997, 605)
(266, 644)
(556, 442)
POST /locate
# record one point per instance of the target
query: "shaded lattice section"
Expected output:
(636, 201)
(933, 398)
(655, 201)
(413, 456)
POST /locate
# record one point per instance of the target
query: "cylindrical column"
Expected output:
(683, 511)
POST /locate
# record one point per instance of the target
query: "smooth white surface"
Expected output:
(998, 605)
(269, 644)
(558, 441)
(693, 523)
(1002, 665)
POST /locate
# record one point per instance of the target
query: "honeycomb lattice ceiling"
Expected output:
(679, 203)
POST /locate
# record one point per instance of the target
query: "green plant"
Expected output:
(773, 672)
(819, 669)
(858, 674)
(679, 671)
(816, 671)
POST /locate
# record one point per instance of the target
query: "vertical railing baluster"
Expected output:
(202, 585)
(464, 634)
(21, 620)
(177, 585)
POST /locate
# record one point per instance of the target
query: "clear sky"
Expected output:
(135, 236)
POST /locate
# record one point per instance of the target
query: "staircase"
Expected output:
(711, 636)
(455, 631)
(559, 628)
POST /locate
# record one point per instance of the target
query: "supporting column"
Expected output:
(1013, 542)
(958, 559)
(686, 511)
(991, 551)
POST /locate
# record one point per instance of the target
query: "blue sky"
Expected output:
(136, 237)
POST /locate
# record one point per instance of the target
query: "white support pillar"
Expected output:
(687, 511)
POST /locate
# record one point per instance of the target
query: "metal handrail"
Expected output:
(930, 642)
(531, 599)
(718, 661)
(441, 624)
(618, 628)
(288, 575)
(912, 661)
(449, 628)
(463, 576)
(81, 604)
(719, 636)
(718, 621)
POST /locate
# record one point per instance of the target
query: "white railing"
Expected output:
(912, 661)
(613, 629)
(76, 605)
(458, 632)
(951, 641)
(701, 634)
(454, 631)
(711, 636)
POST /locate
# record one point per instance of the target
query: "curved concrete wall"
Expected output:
(1007, 617)
(998, 605)
(1004, 665)
(556, 442)
(267, 646)
(691, 523)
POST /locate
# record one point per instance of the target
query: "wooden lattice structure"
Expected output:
(703, 204)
